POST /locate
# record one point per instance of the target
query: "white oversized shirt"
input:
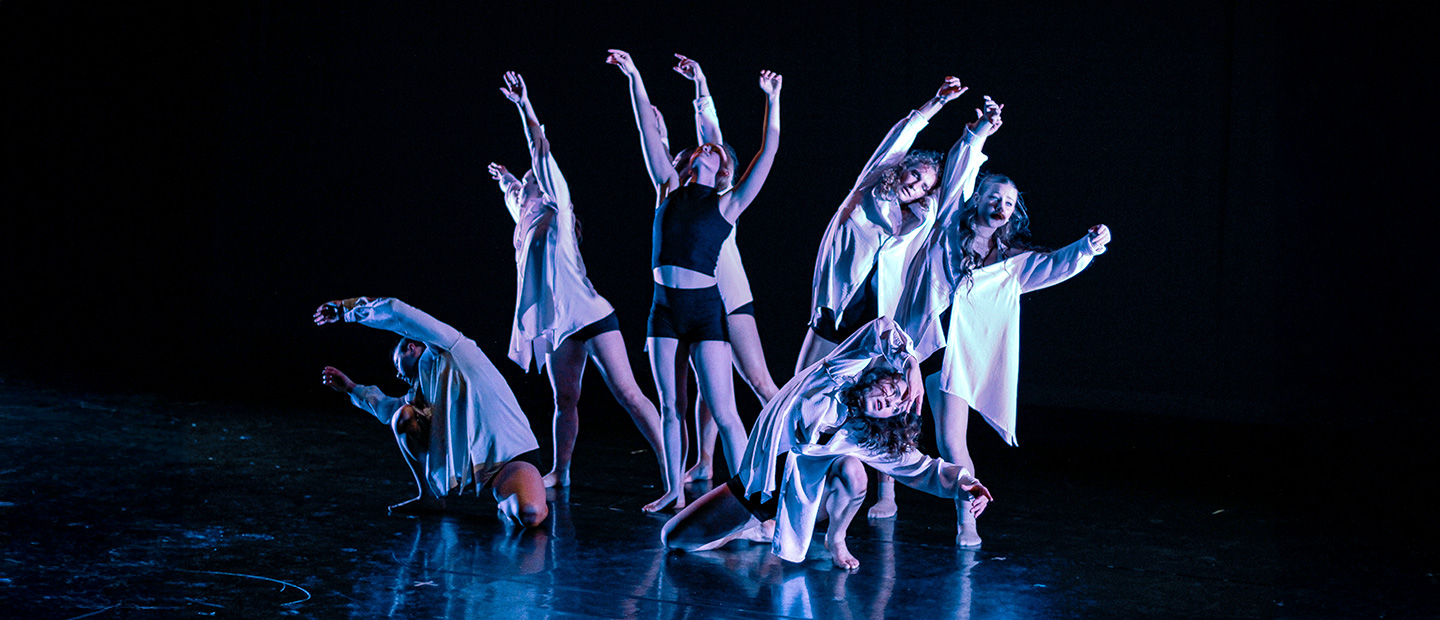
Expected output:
(982, 340)
(799, 419)
(861, 237)
(553, 295)
(475, 419)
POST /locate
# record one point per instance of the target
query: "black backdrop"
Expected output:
(184, 182)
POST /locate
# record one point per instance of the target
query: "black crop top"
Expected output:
(689, 229)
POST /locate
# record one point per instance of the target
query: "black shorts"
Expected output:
(687, 314)
(863, 308)
(748, 308)
(607, 324)
(765, 510)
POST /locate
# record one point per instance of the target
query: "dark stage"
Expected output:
(142, 506)
(1227, 416)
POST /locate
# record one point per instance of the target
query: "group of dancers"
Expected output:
(924, 254)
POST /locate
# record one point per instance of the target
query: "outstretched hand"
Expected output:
(979, 497)
(987, 120)
(336, 380)
(514, 88)
(688, 68)
(950, 89)
(329, 312)
(622, 59)
(498, 172)
(770, 83)
(1099, 236)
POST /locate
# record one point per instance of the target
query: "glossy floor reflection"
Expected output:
(133, 506)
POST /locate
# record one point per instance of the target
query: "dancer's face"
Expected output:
(407, 363)
(882, 400)
(708, 158)
(916, 183)
(997, 204)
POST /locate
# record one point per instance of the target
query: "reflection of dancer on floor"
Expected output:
(749, 356)
(976, 265)
(559, 318)
(459, 426)
(687, 316)
(805, 460)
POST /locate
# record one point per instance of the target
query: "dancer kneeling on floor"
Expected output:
(460, 426)
(804, 461)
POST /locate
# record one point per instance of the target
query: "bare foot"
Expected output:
(761, 533)
(840, 555)
(701, 471)
(418, 506)
(677, 498)
(884, 508)
(556, 478)
(968, 537)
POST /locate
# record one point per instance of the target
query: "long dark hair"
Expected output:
(892, 436)
(1013, 235)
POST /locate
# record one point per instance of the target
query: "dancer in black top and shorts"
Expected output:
(687, 318)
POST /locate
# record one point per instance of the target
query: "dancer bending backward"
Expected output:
(749, 356)
(560, 321)
(976, 264)
(805, 460)
(459, 426)
(687, 316)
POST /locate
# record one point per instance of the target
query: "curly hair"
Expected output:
(887, 180)
(892, 436)
(1013, 235)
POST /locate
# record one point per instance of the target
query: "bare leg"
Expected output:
(520, 493)
(749, 356)
(567, 369)
(668, 365)
(952, 416)
(608, 351)
(844, 493)
(706, 432)
(717, 386)
(813, 350)
(413, 442)
(712, 520)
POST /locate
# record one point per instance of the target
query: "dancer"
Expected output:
(459, 425)
(687, 317)
(559, 318)
(860, 269)
(804, 463)
(977, 265)
(748, 354)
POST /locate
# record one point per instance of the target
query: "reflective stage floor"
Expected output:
(143, 506)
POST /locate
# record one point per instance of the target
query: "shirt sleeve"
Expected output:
(393, 315)
(1043, 269)
(707, 122)
(923, 473)
(377, 403)
(962, 168)
(881, 340)
(893, 148)
(547, 171)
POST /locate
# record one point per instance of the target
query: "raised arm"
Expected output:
(962, 164)
(657, 160)
(542, 161)
(902, 135)
(707, 121)
(1050, 268)
(749, 184)
(390, 314)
